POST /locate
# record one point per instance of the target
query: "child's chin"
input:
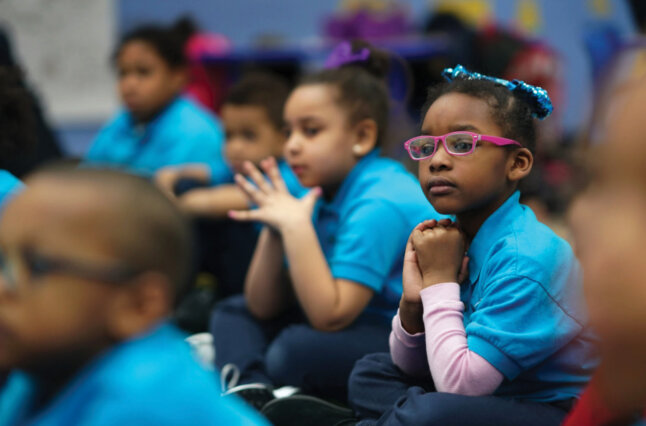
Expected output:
(442, 207)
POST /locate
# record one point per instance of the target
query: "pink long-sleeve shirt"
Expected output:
(442, 350)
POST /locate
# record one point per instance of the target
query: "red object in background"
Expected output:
(206, 83)
(538, 65)
(591, 410)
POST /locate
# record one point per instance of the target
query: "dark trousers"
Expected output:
(381, 394)
(288, 351)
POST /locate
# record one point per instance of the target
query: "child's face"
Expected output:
(250, 135)
(456, 185)
(53, 320)
(146, 82)
(608, 223)
(320, 140)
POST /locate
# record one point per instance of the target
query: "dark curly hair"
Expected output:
(510, 112)
(262, 89)
(361, 87)
(17, 119)
(168, 42)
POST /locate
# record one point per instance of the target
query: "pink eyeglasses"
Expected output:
(455, 143)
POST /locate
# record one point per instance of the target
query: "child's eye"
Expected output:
(287, 132)
(249, 135)
(143, 71)
(310, 131)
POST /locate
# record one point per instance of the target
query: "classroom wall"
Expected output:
(65, 44)
(64, 47)
(563, 24)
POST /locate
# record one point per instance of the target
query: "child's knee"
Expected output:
(366, 370)
(294, 354)
(232, 306)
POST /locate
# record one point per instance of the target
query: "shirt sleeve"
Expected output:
(369, 243)
(515, 324)
(408, 351)
(454, 367)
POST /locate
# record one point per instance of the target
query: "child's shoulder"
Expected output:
(531, 249)
(192, 117)
(147, 365)
(387, 179)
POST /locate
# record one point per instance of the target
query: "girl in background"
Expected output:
(158, 126)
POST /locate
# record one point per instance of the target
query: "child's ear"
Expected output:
(139, 305)
(520, 164)
(179, 78)
(366, 137)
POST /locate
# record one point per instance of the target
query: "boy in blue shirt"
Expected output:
(91, 264)
(252, 113)
(159, 126)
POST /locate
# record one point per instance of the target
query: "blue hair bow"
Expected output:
(537, 97)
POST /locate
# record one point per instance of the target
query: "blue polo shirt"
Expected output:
(9, 187)
(150, 380)
(363, 230)
(182, 133)
(523, 307)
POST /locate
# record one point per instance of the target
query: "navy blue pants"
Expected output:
(288, 351)
(381, 394)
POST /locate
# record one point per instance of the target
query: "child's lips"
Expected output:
(440, 186)
(297, 169)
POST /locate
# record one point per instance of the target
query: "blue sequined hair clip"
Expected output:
(537, 97)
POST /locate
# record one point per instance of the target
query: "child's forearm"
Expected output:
(213, 202)
(408, 350)
(266, 292)
(455, 369)
(329, 304)
(411, 316)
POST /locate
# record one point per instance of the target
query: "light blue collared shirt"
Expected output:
(363, 230)
(150, 380)
(182, 133)
(523, 307)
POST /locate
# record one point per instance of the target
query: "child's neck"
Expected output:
(59, 371)
(471, 221)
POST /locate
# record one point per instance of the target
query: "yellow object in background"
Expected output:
(529, 16)
(474, 12)
(600, 7)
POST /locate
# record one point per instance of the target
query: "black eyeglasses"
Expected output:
(38, 265)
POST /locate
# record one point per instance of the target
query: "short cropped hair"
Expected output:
(261, 89)
(151, 233)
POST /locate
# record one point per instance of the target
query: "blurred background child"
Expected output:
(158, 127)
(343, 250)
(252, 115)
(91, 264)
(608, 226)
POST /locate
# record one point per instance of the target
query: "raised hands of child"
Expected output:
(277, 208)
(412, 276)
(440, 253)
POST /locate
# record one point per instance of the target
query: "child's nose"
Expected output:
(293, 144)
(440, 160)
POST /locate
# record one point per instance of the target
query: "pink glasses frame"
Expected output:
(496, 140)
